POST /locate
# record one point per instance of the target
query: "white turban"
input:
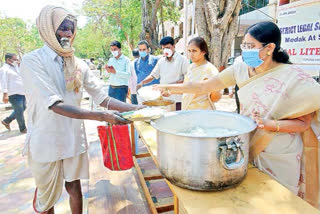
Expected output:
(48, 23)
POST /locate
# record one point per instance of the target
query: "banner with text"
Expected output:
(299, 23)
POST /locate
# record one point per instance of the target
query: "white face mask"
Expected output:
(115, 53)
(167, 52)
(15, 64)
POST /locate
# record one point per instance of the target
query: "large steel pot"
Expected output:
(205, 163)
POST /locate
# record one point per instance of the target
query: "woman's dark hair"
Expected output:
(268, 32)
(201, 43)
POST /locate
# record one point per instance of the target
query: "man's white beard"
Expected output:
(65, 43)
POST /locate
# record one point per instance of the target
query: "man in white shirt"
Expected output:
(54, 81)
(170, 69)
(13, 92)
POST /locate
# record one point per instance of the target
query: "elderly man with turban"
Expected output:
(54, 80)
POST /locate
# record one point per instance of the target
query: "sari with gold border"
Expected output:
(284, 92)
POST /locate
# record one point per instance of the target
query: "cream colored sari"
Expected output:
(285, 92)
(196, 74)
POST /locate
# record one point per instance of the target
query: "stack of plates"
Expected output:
(143, 114)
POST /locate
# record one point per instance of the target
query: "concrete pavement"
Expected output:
(17, 185)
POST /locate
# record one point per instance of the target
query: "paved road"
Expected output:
(16, 182)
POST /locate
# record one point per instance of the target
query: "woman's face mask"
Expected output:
(251, 57)
(251, 51)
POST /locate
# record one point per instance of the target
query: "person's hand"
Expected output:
(110, 69)
(231, 95)
(265, 124)
(139, 86)
(260, 122)
(5, 98)
(115, 118)
(138, 107)
(164, 90)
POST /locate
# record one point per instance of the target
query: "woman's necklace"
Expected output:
(254, 71)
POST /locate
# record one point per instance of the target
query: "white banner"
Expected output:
(299, 23)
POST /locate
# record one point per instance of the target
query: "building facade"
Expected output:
(254, 11)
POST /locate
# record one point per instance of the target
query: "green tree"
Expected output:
(17, 37)
(91, 42)
(118, 19)
(153, 11)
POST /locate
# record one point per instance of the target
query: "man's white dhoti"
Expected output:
(50, 178)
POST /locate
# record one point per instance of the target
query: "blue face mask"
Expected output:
(251, 57)
(143, 54)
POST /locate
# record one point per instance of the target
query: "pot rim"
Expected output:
(250, 127)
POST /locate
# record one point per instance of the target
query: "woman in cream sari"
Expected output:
(283, 100)
(200, 69)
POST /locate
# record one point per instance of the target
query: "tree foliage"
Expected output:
(17, 37)
(155, 13)
(107, 20)
(116, 19)
(90, 42)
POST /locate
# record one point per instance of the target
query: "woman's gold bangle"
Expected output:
(277, 125)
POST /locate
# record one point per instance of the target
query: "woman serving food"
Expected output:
(283, 100)
(200, 69)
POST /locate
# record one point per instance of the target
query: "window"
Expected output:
(251, 5)
(181, 4)
(181, 29)
(190, 26)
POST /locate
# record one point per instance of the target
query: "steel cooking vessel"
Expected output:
(211, 162)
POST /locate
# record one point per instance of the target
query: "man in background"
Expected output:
(146, 63)
(119, 69)
(170, 69)
(13, 92)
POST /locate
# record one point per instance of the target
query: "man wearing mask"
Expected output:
(13, 92)
(119, 69)
(146, 63)
(54, 80)
(170, 69)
